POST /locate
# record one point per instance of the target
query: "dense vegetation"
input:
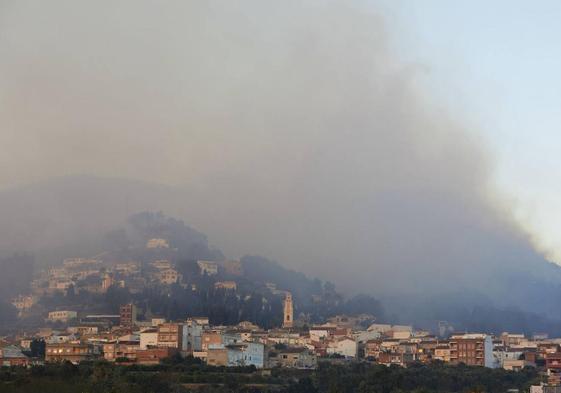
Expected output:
(187, 375)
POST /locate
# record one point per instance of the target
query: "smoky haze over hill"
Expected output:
(287, 129)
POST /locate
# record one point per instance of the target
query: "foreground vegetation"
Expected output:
(189, 375)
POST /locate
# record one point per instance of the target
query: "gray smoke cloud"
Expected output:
(291, 127)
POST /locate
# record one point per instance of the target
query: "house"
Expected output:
(157, 243)
(69, 263)
(161, 264)
(148, 338)
(397, 358)
(202, 321)
(246, 354)
(208, 268)
(297, 357)
(227, 285)
(124, 347)
(318, 333)
(504, 354)
(239, 354)
(210, 338)
(151, 356)
(62, 316)
(192, 336)
(344, 346)
(83, 330)
(292, 339)
(442, 352)
(217, 356)
(13, 356)
(553, 368)
(72, 352)
(127, 268)
(61, 338)
(169, 276)
(23, 302)
(517, 364)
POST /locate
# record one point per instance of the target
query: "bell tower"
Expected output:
(288, 320)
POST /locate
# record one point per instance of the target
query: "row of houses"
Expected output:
(245, 344)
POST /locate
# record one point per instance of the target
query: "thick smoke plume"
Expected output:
(289, 127)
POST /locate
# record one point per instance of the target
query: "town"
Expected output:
(74, 335)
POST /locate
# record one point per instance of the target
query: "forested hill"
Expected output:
(261, 284)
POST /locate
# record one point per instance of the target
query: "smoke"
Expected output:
(292, 128)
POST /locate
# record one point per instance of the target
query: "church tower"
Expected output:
(288, 321)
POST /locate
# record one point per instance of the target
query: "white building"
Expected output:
(344, 346)
(148, 338)
(157, 243)
(63, 316)
(208, 267)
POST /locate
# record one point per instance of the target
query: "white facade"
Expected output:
(208, 267)
(63, 316)
(148, 338)
(346, 347)
(247, 354)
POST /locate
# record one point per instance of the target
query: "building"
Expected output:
(170, 335)
(517, 364)
(151, 356)
(23, 303)
(192, 336)
(157, 321)
(84, 330)
(246, 354)
(203, 321)
(442, 352)
(472, 350)
(169, 276)
(301, 358)
(148, 338)
(79, 262)
(157, 243)
(72, 352)
(107, 282)
(125, 347)
(127, 268)
(12, 356)
(545, 388)
(344, 346)
(395, 358)
(208, 268)
(227, 285)
(239, 354)
(211, 338)
(62, 316)
(217, 356)
(161, 264)
(553, 368)
(288, 320)
(127, 316)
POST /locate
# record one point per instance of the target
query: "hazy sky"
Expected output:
(390, 137)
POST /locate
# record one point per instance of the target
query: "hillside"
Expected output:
(86, 215)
